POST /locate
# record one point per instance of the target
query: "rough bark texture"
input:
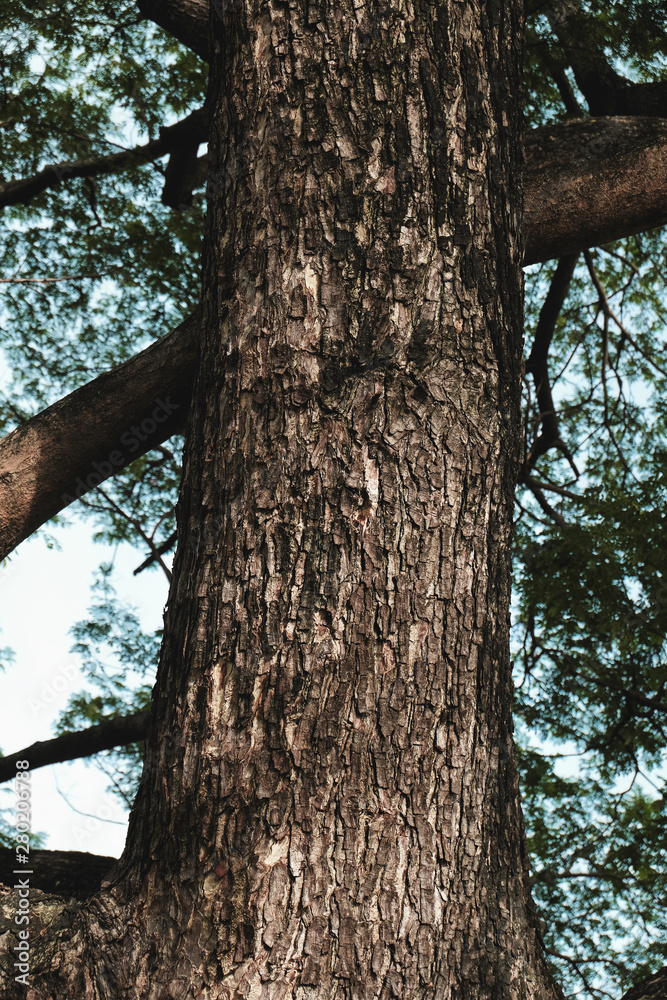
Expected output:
(330, 806)
(337, 663)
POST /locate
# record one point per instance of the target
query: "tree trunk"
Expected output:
(329, 807)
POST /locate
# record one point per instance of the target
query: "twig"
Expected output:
(138, 528)
(159, 551)
(609, 312)
(543, 502)
(48, 281)
(552, 487)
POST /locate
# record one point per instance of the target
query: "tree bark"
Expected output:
(330, 803)
(593, 180)
(336, 668)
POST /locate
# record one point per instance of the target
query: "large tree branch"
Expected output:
(186, 20)
(110, 733)
(74, 445)
(592, 180)
(587, 182)
(180, 139)
(65, 873)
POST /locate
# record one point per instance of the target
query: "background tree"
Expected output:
(102, 256)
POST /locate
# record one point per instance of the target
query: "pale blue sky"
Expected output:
(42, 593)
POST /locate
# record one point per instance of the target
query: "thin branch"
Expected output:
(606, 91)
(654, 704)
(609, 312)
(603, 306)
(106, 735)
(159, 551)
(565, 90)
(138, 527)
(190, 130)
(536, 490)
(168, 512)
(537, 363)
(552, 487)
(50, 281)
(82, 812)
(128, 800)
(602, 876)
(575, 964)
(556, 69)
